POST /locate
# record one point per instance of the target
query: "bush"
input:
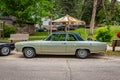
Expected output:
(104, 34)
(9, 30)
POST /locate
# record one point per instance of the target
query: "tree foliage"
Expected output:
(26, 10)
(34, 10)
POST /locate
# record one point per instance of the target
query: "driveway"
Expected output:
(49, 67)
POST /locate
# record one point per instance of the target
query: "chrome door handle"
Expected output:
(63, 43)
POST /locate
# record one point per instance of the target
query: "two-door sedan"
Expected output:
(61, 43)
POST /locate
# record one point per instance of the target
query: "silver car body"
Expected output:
(61, 47)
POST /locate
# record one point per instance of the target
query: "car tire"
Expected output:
(29, 52)
(5, 51)
(82, 53)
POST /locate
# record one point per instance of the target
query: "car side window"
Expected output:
(58, 37)
(71, 38)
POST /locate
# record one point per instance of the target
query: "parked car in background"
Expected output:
(49, 28)
(40, 29)
(62, 28)
(61, 43)
(71, 28)
(6, 48)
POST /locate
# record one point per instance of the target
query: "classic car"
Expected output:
(6, 47)
(61, 43)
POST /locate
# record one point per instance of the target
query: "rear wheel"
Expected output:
(5, 51)
(82, 53)
(29, 52)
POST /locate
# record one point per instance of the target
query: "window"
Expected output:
(58, 37)
(71, 38)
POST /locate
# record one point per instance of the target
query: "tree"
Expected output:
(26, 10)
(85, 5)
(105, 11)
(87, 11)
(117, 13)
(112, 6)
(42, 8)
(71, 7)
(109, 14)
(93, 18)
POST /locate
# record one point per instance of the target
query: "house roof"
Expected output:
(6, 18)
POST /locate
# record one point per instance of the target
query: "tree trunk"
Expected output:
(21, 27)
(83, 9)
(112, 9)
(93, 18)
(105, 12)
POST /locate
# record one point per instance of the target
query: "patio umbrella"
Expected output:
(68, 20)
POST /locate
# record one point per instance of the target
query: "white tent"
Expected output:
(68, 20)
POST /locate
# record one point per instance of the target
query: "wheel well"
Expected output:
(79, 49)
(29, 47)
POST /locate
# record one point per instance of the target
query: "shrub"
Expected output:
(104, 34)
(9, 30)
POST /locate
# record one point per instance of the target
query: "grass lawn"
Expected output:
(4, 40)
(39, 35)
(115, 53)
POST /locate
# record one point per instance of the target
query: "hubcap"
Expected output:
(5, 50)
(82, 53)
(29, 52)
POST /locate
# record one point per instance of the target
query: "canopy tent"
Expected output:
(67, 19)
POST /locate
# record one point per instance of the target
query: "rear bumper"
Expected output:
(12, 48)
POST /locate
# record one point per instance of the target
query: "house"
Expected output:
(27, 27)
(11, 21)
(7, 20)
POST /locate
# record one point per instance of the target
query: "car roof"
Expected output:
(64, 33)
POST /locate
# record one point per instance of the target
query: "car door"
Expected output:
(55, 44)
(71, 44)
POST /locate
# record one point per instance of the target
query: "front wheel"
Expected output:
(5, 51)
(82, 53)
(29, 52)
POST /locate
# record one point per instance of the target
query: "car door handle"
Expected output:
(63, 43)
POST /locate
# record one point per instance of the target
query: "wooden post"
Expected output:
(114, 45)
